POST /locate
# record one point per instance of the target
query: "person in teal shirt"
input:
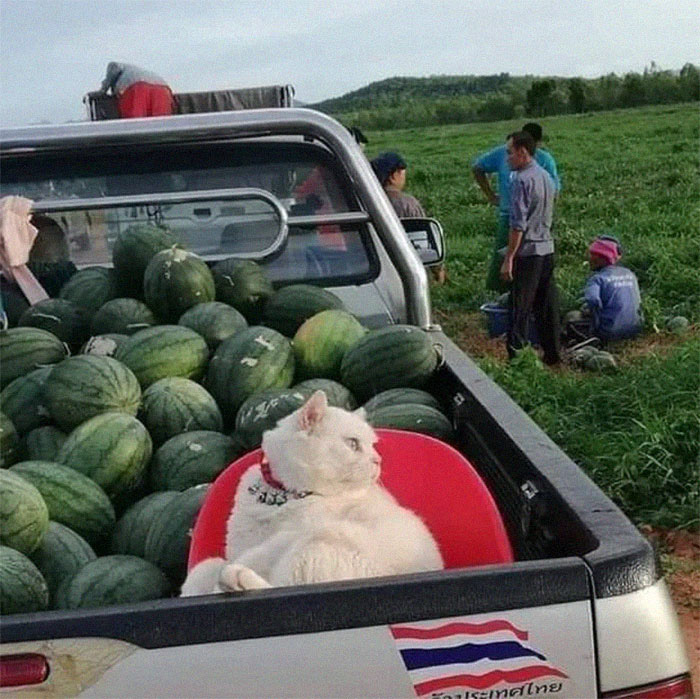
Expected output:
(496, 161)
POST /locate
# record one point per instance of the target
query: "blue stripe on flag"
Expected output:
(416, 658)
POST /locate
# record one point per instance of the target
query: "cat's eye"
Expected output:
(353, 443)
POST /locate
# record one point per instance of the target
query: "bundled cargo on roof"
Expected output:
(101, 106)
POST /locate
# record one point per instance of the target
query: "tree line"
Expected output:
(406, 102)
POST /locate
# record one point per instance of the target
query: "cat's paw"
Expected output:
(235, 577)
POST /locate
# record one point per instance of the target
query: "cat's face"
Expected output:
(323, 449)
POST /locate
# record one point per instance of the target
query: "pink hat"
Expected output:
(605, 249)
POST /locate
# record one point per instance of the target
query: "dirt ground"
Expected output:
(679, 550)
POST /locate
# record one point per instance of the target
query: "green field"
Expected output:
(633, 173)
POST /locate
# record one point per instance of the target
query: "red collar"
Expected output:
(267, 476)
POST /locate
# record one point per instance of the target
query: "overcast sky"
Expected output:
(54, 51)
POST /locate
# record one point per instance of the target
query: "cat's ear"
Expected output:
(361, 413)
(312, 412)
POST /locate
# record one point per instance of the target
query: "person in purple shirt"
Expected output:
(496, 161)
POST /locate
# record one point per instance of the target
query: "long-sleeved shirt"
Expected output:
(496, 160)
(120, 76)
(612, 294)
(531, 209)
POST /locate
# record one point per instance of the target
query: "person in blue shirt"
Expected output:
(496, 161)
(611, 294)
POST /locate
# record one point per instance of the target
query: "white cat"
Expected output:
(314, 511)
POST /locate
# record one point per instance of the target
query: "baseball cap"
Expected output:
(386, 163)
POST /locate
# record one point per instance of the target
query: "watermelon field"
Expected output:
(633, 173)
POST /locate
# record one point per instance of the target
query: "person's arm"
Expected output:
(481, 167)
(517, 222)
(547, 162)
(114, 70)
(591, 293)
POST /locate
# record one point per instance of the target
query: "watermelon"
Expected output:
(261, 412)
(62, 554)
(677, 325)
(22, 586)
(165, 350)
(21, 400)
(113, 449)
(600, 361)
(396, 356)
(133, 250)
(129, 535)
(43, 443)
(24, 517)
(174, 281)
(68, 322)
(168, 540)
(90, 288)
(214, 321)
(321, 342)
(14, 303)
(250, 361)
(413, 417)
(290, 306)
(572, 317)
(192, 458)
(10, 447)
(24, 349)
(401, 396)
(337, 395)
(174, 405)
(72, 499)
(114, 579)
(244, 285)
(104, 345)
(122, 316)
(84, 386)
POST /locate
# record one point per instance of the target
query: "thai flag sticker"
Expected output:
(485, 660)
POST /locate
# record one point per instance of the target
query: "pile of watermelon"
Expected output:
(123, 398)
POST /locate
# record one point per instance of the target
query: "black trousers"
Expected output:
(534, 292)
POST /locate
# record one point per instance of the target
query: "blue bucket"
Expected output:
(498, 322)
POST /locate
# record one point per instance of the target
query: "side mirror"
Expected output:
(427, 238)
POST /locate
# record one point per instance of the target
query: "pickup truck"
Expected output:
(584, 596)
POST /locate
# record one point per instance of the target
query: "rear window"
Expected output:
(304, 179)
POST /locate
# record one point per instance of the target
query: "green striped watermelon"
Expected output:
(14, 303)
(62, 553)
(113, 449)
(250, 361)
(109, 580)
(90, 288)
(174, 281)
(43, 443)
(133, 250)
(321, 342)
(164, 350)
(72, 498)
(336, 394)
(192, 458)
(22, 586)
(22, 400)
(122, 316)
(104, 345)
(244, 285)
(413, 417)
(24, 349)
(10, 446)
(129, 535)
(168, 540)
(174, 405)
(24, 517)
(261, 412)
(290, 306)
(68, 322)
(84, 386)
(396, 356)
(401, 396)
(214, 321)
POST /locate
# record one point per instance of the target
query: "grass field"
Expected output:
(633, 173)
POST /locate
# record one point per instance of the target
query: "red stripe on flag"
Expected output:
(489, 679)
(457, 627)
